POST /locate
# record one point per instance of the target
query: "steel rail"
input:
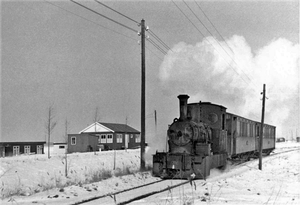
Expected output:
(114, 193)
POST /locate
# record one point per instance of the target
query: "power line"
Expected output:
(90, 20)
(188, 18)
(217, 40)
(117, 12)
(157, 46)
(205, 26)
(154, 53)
(210, 43)
(159, 40)
(104, 16)
(214, 38)
(101, 26)
(213, 25)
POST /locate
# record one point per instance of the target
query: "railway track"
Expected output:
(136, 193)
(140, 192)
(285, 150)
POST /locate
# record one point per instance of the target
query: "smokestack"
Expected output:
(183, 106)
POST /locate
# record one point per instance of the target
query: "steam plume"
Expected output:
(234, 78)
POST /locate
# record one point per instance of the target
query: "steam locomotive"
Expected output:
(204, 137)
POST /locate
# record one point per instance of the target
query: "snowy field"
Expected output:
(277, 183)
(24, 178)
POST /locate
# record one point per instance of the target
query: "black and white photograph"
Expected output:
(174, 102)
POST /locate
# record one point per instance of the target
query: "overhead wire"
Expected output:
(105, 16)
(102, 26)
(210, 43)
(153, 53)
(89, 20)
(198, 5)
(214, 38)
(157, 46)
(204, 26)
(213, 26)
(117, 12)
(188, 18)
(152, 42)
(150, 32)
(159, 40)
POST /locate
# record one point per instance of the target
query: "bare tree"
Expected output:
(66, 151)
(96, 119)
(50, 125)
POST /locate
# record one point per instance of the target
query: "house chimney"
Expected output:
(183, 106)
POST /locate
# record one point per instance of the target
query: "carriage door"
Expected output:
(257, 138)
(229, 134)
(126, 140)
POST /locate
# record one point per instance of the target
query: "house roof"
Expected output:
(119, 127)
(99, 127)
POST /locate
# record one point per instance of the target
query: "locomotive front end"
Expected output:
(189, 148)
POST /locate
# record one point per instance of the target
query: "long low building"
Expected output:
(18, 148)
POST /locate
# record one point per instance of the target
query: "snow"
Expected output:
(276, 183)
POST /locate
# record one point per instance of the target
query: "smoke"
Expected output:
(234, 77)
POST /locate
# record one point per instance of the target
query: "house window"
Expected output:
(61, 147)
(16, 150)
(102, 138)
(109, 138)
(27, 149)
(137, 138)
(119, 138)
(39, 149)
(73, 140)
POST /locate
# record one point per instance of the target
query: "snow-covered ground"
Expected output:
(277, 183)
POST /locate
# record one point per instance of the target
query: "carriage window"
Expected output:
(223, 121)
(248, 129)
(238, 128)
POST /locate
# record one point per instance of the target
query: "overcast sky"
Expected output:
(66, 56)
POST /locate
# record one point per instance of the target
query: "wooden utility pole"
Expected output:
(262, 127)
(143, 91)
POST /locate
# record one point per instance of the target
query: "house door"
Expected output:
(16, 150)
(39, 149)
(126, 140)
(27, 149)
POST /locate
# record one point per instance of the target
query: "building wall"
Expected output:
(132, 141)
(82, 143)
(56, 148)
(7, 148)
